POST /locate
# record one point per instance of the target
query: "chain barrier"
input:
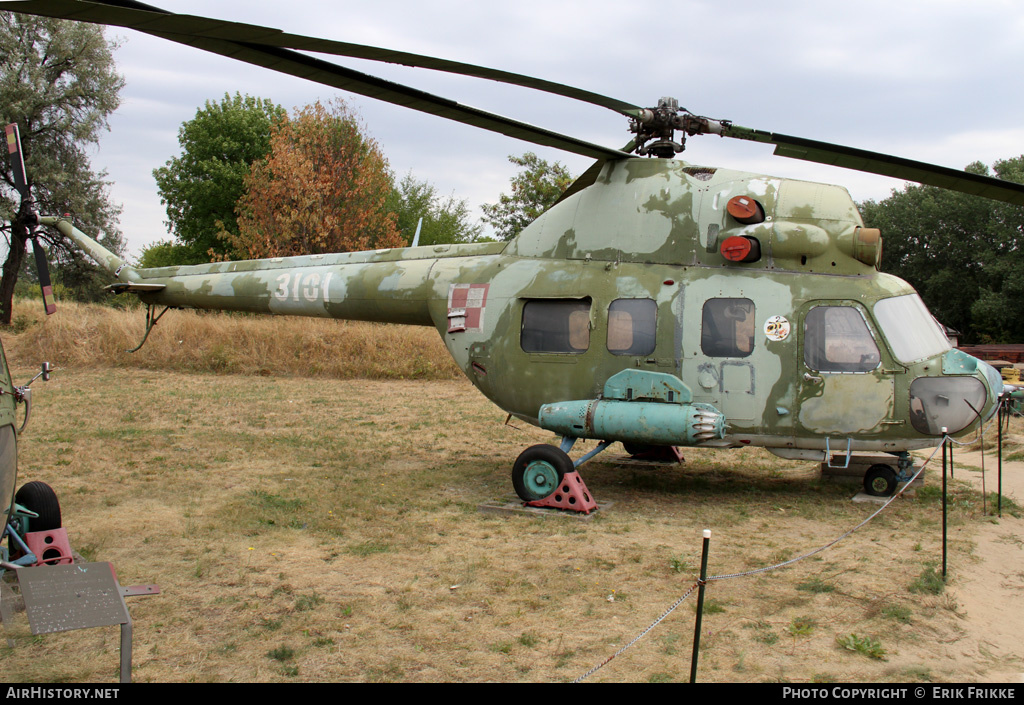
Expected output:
(765, 569)
(639, 636)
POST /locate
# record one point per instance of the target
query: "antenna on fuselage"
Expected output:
(416, 237)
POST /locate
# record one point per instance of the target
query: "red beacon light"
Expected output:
(740, 248)
(745, 210)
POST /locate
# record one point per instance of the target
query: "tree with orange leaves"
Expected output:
(321, 189)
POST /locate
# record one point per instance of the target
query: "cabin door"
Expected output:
(844, 390)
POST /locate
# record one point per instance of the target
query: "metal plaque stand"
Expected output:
(65, 597)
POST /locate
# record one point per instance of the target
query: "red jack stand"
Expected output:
(572, 494)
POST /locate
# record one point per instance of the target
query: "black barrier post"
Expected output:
(945, 443)
(700, 604)
(999, 474)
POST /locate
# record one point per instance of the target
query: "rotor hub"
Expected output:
(655, 128)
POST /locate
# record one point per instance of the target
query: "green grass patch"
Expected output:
(802, 626)
(864, 645)
(369, 548)
(815, 585)
(281, 653)
(930, 582)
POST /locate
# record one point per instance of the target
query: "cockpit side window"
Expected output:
(556, 326)
(910, 329)
(837, 339)
(632, 324)
(727, 328)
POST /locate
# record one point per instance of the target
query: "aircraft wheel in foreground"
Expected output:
(41, 499)
(539, 470)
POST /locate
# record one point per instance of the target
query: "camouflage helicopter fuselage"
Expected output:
(804, 347)
(8, 439)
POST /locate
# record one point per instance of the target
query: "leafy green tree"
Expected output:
(962, 253)
(997, 311)
(444, 220)
(323, 188)
(201, 187)
(59, 84)
(163, 253)
(534, 190)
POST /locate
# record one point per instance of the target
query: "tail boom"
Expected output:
(387, 286)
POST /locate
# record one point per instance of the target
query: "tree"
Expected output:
(997, 312)
(323, 188)
(962, 253)
(444, 221)
(59, 84)
(534, 190)
(201, 187)
(165, 253)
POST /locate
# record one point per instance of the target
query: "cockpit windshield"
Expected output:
(913, 334)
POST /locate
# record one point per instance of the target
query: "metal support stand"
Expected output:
(66, 597)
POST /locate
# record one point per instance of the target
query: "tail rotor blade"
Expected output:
(17, 161)
(44, 277)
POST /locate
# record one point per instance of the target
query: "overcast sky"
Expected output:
(938, 81)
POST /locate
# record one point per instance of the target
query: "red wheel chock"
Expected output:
(50, 547)
(572, 494)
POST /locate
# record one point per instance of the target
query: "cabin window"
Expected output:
(727, 328)
(837, 339)
(556, 326)
(631, 326)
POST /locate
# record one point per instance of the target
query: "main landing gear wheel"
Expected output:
(880, 481)
(41, 499)
(539, 470)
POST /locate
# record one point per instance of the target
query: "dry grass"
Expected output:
(89, 336)
(328, 530)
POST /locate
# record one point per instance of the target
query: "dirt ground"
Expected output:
(318, 530)
(990, 593)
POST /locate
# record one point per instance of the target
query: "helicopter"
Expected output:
(657, 304)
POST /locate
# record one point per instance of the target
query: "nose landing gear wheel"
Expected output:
(880, 481)
(538, 471)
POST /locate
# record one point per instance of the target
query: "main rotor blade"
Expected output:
(211, 35)
(140, 17)
(883, 164)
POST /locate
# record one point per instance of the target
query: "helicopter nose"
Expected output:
(968, 389)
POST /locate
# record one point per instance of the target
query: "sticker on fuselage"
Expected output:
(466, 305)
(776, 328)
